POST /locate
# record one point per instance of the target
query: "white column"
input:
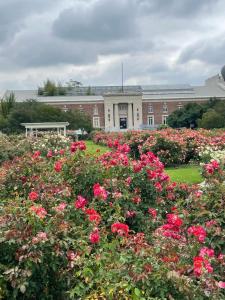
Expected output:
(130, 116)
(26, 131)
(137, 110)
(64, 130)
(116, 115)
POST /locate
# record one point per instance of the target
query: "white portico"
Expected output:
(123, 111)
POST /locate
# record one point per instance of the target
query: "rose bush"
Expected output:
(74, 226)
(172, 146)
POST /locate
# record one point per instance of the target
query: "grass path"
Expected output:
(94, 149)
(187, 174)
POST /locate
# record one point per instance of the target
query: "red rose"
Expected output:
(33, 196)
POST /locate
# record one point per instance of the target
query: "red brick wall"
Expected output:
(88, 109)
(158, 109)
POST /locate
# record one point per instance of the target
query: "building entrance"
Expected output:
(123, 123)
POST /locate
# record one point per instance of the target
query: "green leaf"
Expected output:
(137, 292)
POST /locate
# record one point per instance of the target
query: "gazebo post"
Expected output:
(64, 130)
(26, 131)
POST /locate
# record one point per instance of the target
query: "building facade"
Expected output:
(113, 108)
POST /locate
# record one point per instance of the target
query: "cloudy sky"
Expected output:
(159, 41)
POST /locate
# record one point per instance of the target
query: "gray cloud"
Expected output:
(160, 41)
(210, 50)
(181, 9)
(101, 21)
(13, 14)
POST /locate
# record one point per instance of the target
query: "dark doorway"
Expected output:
(123, 123)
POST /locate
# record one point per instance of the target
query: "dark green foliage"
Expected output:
(208, 115)
(212, 119)
(50, 88)
(7, 104)
(32, 112)
(187, 116)
(169, 152)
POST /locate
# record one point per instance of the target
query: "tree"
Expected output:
(79, 120)
(7, 104)
(212, 119)
(61, 89)
(187, 116)
(50, 88)
(32, 111)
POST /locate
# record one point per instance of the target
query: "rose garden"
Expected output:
(110, 223)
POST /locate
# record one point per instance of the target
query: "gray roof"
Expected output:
(22, 95)
(214, 87)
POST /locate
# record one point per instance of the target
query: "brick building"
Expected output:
(133, 107)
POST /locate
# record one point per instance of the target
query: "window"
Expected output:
(65, 108)
(164, 119)
(151, 120)
(96, 122)
(165, 108)
(150, 108)
(95, 110)
(180, 105)
(122, 107)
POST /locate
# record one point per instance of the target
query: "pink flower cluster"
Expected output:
(120, 228)
(58, 166)
(200, 265)
(77, 146)
(172, 228)
(99, 192)
(39, 211)
(112, 159)
(33, 196)
(211, 167)
(40, 237)
(152, 212)
(60, 207)
(198, 231)
(94, 236)
(93, 215)
(80, 203)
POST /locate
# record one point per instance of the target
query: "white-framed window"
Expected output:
(81, 108)
(150, 108)
(123, 107)
(165, 107)
(180, 105)
(151, 121)
(95, 110)
(65, 108)
(164, 119)
(96, 122)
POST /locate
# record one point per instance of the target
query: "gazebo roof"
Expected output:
(45, 125)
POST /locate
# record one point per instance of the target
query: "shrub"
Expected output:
(80, 227)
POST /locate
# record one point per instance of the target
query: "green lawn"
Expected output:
(186, 174)
(92, 148)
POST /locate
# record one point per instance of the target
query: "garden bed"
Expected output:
(81, 226)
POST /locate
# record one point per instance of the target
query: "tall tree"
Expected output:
(7, 104)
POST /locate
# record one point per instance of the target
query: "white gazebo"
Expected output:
(32, 128)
